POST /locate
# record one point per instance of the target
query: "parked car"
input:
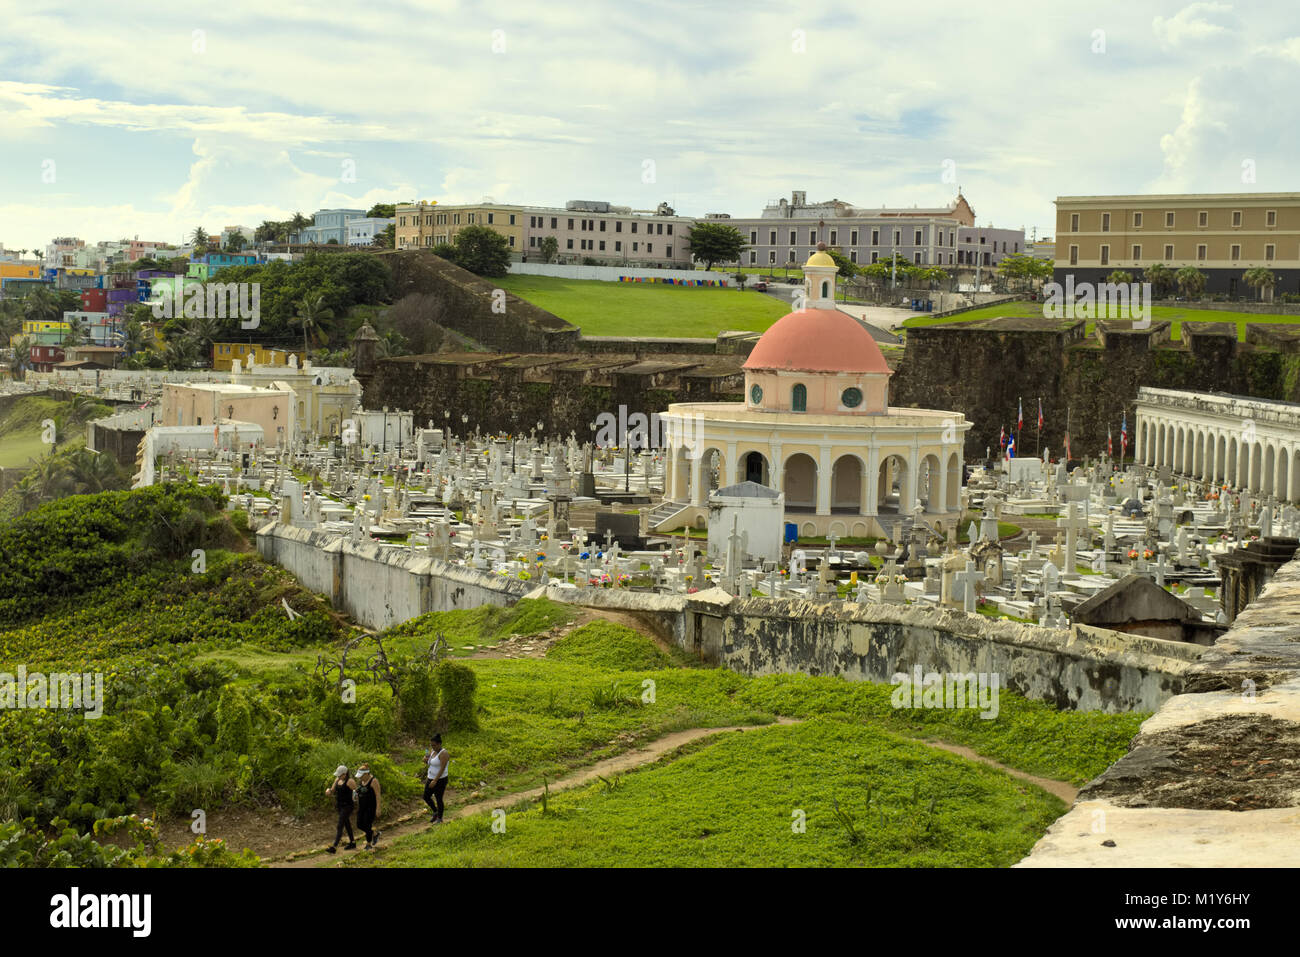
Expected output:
(760, 286)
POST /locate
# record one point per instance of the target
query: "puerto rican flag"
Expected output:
(1123, 435)
(1110, 444)
(1002, 438)
(1040, 415)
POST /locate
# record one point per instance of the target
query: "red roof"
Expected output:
(818, 340)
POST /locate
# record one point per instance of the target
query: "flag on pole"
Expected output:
(1040, 415)
(1067, 447)
(1110, 445)
(1002, 439)
(1020, 415)
(1011, 447)
(1123, 436)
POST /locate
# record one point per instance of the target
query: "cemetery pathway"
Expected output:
(417, 821)
(1065, 791)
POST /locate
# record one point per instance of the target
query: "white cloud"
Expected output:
(1194, 24)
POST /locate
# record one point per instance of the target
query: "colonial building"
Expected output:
(611, 235)
(816, 425)
(1221, 234)
(788, 231)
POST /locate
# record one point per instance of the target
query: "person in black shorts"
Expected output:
(367, 804)
(342, 787)
(435, 780)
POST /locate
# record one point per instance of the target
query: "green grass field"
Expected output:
(642, 309)
(1175, 315)
(824, 793)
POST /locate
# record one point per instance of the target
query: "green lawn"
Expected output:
(824, 793)
(644, 309)
(16, 450)
(1176, 315)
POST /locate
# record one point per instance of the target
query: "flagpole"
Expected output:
(1038, 437)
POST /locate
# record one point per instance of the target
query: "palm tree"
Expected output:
(297, 223)
(1191, 281)
(1160, 276)
(179, 353)
(199, 238)
(41, 305)
(312, 313)
(1120, 277)
(1260, 278)
(74, 337)
(21, 358)
(91, 471)
(203, 331)
(11, 318)
(49, 477)
(135, 339)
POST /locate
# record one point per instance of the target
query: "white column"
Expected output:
(913, 467)
(824, 481)
(873, 480)
(733, 467)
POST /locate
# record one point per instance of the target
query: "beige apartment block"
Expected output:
(1222, 234)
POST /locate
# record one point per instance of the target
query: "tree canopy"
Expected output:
(712, 242)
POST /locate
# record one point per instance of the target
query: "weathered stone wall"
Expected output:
(1213, 778)
(983, 372)
(379, 587)
(1086, 669)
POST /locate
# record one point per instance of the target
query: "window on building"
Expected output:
(853, 255)
(916, 238)
(812, 236)
(602, 225)
(618, 247)
(634, 227)
(570, 223)
(1074, 255)
(1105, 255)
(532, 241)
(491, 219)
(1200, 252)
(512, 219)
(635, 246)
(834, 236)
(853, 237)
(793, 239)
(1169, 253)
(511, 240)
(771, 257)
(1268, 252)
(799, 398)
(1236, 217)
(898, 237)
(1137, 220)
(602, 245)
(1137, 254)
(916, 258)
(569, 244)
(875, 238)
(1074, 222)
(1169, 219)
(1105, 222)
(555, 220)
(1236, 251)
(875, 256)
(753, 237)
(1270, 217)
(753, 257)
(1202, 218)
(950, 259)
(649, 247)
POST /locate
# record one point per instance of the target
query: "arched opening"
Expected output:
(1294, 493)
(846, 485)
(891, 487)
(1198, 460)
(1256, 458)
(800, 483)
(954, 483)
(756, 468)
(1230, 474)
(1160, 446)
(1270, 470)
(715, 471)
(1219, 459)
(928, 480)
(825, 289)
(1283, 486)
(799, 398)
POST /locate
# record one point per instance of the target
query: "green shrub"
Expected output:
(456, 708)
(418, 714)
(234, 721)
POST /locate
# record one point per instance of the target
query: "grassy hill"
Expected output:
(647, 309)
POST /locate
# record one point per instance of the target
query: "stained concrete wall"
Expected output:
(1086, 669)
(376, 586)
(1212, 779)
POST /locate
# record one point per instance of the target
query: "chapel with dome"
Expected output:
(817, 427)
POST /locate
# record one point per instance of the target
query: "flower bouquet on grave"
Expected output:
(524, 575)
(880, 579)
(1132, 553)
(899, 579)
(624, 579)
(541, 556)
(691, 590)
(1147, 553)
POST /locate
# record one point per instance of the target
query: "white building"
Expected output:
(757, 514)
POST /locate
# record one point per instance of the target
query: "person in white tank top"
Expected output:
(435, 779)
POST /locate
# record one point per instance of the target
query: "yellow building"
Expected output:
(1221, 234)
(41, 332)
(19, 271)
(423, 225)
(225, 353)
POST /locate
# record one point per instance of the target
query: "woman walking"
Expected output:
(367, 804)
(341, 787)
(435, 782)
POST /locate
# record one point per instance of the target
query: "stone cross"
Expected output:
(1033, 544)
(1161, 568)
(967, 580)
(1073, 523)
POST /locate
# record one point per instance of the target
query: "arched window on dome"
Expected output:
(799, 398)
(825, 289)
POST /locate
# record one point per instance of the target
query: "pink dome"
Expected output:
(818, 340)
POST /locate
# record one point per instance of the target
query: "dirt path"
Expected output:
(1066, 792)
(416, 821)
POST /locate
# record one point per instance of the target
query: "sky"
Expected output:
(147, 120)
